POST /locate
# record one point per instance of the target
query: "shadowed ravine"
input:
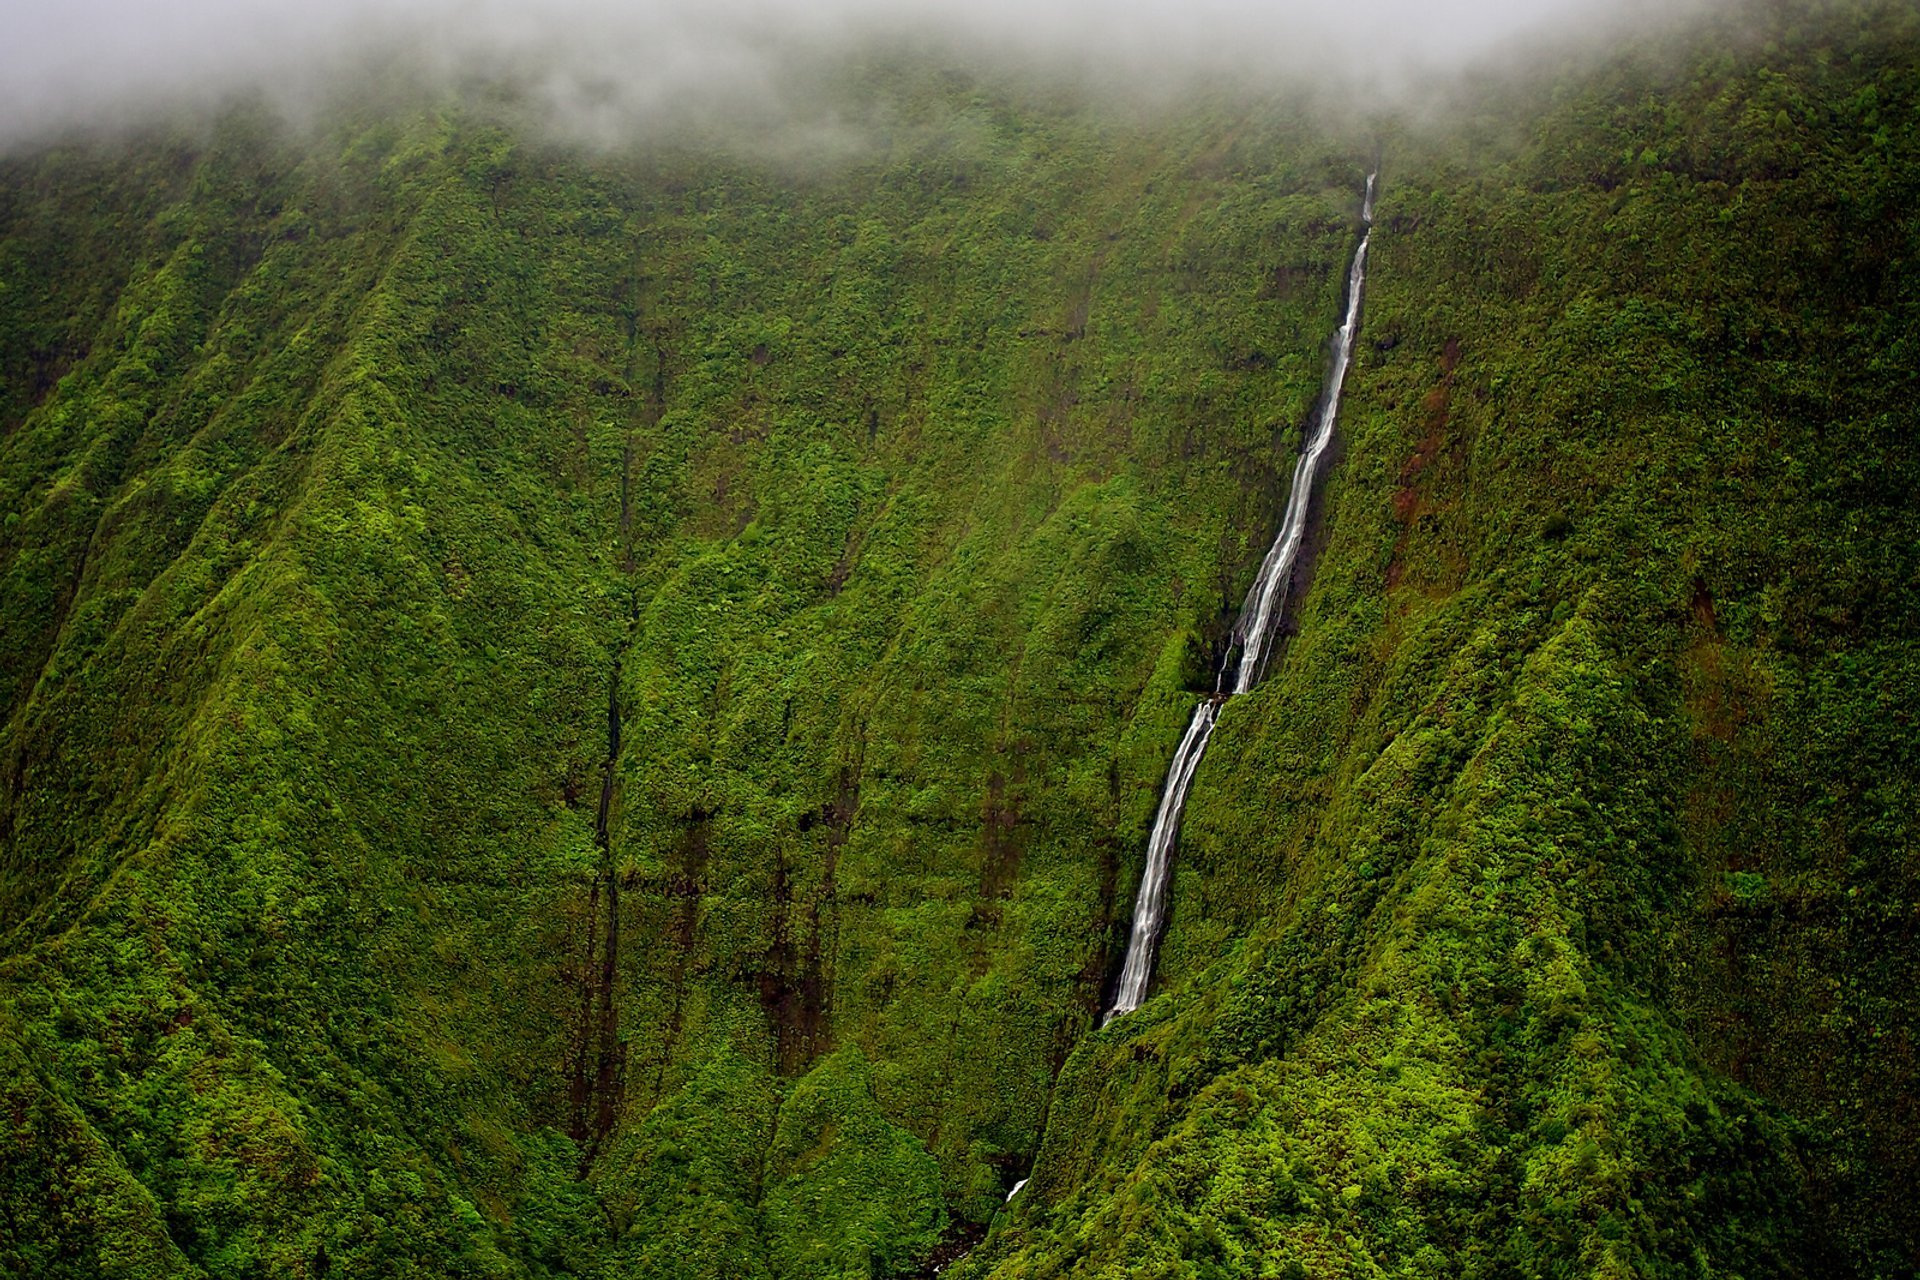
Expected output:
(1246, 657)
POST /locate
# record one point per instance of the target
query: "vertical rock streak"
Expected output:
(1246, 658)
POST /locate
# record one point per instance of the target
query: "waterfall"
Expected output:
(1247, 654)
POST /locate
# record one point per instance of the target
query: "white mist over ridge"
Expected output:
(90, 62)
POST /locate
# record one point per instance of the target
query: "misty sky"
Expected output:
(84, 61)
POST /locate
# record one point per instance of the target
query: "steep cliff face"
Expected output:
(1551, 909)
(515, 664)
(587, 715)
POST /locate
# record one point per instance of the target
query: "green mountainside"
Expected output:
(596, 715)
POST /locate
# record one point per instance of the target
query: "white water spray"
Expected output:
(1247, 655)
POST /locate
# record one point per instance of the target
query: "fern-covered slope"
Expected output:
(379, 488)
(1550, 911)
(575, 715)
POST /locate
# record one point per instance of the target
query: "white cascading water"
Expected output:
(1246, 657)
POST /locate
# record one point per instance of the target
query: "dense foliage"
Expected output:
(592, 715)
(1551, 910)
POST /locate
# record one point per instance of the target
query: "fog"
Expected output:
(599, 66)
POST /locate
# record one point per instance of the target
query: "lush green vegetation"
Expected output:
(596, 716)
(1549, 912)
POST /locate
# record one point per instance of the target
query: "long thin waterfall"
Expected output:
(1246, 657)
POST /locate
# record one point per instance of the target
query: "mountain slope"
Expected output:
(1573, 842)
(597, 715)
(514, 644)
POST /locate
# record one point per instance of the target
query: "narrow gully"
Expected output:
(596, 1086)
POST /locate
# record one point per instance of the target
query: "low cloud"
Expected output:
(599, 65)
